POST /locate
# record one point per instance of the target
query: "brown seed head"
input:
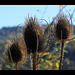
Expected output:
(33, 35)
(17, 52)
(62, 28)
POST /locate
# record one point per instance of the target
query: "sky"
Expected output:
(12, 15)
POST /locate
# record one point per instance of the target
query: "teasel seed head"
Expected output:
(16, 52)
(33, 35)
(62, 28)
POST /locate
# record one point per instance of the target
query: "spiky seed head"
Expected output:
(62, 29)
(33, 35)
(16, 52)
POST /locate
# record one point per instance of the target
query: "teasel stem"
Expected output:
(34, 56)
(62, 55)
(63, 42)
(62, 52)
(16, 66)
(34, 61)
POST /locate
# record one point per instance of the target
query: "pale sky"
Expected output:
(12, 15)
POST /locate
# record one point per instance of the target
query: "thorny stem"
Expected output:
(62, 54)
(34, 55)
(16, 66)
(34, 58)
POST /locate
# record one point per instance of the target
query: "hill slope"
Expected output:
(5, 32)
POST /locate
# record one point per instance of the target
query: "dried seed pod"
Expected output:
(33, 35)
(62, 28)
(16, 52)
(63, 32)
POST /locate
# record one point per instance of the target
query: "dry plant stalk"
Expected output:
(63, 33)
(31, 32)
(16, 50)
(33, 35)
(34, 59)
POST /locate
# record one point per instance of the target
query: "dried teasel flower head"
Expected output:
(62, 28)
(16, 51)
(33, 35)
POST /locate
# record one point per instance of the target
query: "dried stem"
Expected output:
(62, 54)
(16, 66)
(34, 58)
(34, 55)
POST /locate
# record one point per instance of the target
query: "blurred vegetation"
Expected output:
(49, 60)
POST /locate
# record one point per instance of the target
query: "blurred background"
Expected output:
(12, 15)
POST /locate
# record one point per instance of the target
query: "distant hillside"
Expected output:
(68, 57)
(5, 31)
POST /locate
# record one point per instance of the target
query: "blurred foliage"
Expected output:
(49, 60)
